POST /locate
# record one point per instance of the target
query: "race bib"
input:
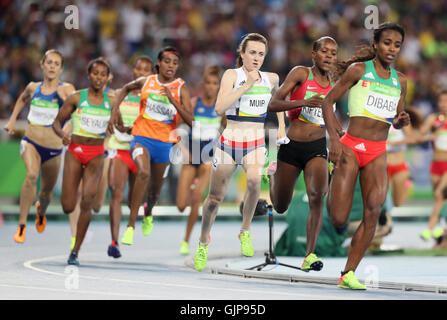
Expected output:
(254, 102)
(159, 108)
(43, 112)
(95, 120)
(122, 136)
(441, 141)
(382, 100)
(313, 115)
(205, 129)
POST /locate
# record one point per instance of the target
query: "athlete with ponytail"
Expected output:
(40, 147)
(376, 101)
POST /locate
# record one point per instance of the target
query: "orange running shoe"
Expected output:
(41, 222)
(19, 237)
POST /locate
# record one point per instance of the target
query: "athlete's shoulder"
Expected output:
(32, 86)
(355, 71)
(402, 78)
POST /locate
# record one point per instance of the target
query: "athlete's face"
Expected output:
(143, 68)
(326, 55)
(389, 46)
(168, 65)
(211, 86)
(254, 55)
(98, 76)
(52, 66)
(442, 103)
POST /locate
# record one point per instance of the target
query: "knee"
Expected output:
(87, 202)
(279, 207)
(253, 183)
(143, 174)
(117, 193)
(181, 206)
(316, 197)
(31, 177)
(338, 221)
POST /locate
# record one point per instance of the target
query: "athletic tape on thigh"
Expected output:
(22, 146)
(166, 171)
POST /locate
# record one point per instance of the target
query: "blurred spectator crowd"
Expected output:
(208, 32)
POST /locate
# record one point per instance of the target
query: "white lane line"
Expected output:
(29, 264)
(77, 291)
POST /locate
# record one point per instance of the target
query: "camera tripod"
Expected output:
(270, 257)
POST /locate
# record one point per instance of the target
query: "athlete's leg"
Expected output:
(253, 164)
(186, 178)
(102, 189)
(282, 185)
(71, 178)
(438, 185)
(158, 175)
(221, 174)
(90, 178)
(400, 187)
(341, 188)
(373, 182)
(316, 180)
(139, 187)
(118, 176)
(48, 178)
(31, 158)
(202, 184)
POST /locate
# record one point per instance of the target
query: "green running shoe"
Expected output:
(184, 248)
(147, 225)
(426, 235)
(438, 232)
(201, 257)
(349, 281)
(312, 262)
(246, 245)
(128, 236)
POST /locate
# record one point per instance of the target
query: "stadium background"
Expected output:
(208, 32)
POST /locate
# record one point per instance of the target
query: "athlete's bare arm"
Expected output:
(65, 111)
(23, 99)
(226, 98)
(402, 118)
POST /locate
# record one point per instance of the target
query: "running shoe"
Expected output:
(438, 232)
(73, 259)
(19, 237)
(73, 242)
(128, 236)
(312, 262)
(184, 248)
(246, 245)
(147, 225)
(201, 257)
(349, 281)
(113, 250)
(426, 235)
(41, 221)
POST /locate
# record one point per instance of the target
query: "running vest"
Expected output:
(440, 127)
(308, 89)
(44, 108)
(158, 117)
(374, 97)
(252, 105)
(89, 120)
(206, 122)
(395, 135)
(129, 109)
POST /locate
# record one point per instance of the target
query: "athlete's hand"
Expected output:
(66, 139)
(167, 93)
(315, 101)
(335, 151)
(9, 127)
(252, 77)
(402, 120)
